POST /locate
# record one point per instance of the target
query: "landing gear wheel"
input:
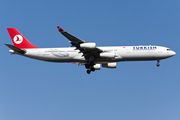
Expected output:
(88, 71)
(93, 69)
(157, 64)
(87, 66)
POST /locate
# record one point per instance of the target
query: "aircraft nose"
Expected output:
(173, 53)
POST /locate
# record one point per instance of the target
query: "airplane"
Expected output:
(87, 53)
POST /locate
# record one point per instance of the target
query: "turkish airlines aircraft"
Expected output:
(86, 53)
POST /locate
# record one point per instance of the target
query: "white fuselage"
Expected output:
(122, 53)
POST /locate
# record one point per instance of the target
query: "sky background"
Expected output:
(37, 90)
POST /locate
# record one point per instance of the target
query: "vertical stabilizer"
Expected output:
(19, 40)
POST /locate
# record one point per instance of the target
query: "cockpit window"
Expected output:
(168, 49)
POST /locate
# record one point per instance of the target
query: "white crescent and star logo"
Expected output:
(18, 39)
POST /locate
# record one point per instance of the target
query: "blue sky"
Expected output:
(37, 90)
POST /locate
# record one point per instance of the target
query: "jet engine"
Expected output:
(88, 45)
(109, 65)
(97, 66)
(107, 55)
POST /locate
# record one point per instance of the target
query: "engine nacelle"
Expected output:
(88, 45)
(107, 55)
(97, 66)
(109, 65)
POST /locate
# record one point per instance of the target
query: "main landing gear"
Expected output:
(89, 71)
(90, 67)
(158, 63)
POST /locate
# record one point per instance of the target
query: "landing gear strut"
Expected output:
(90, 64)
(158, 63)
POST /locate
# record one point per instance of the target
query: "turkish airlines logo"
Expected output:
(18, 39)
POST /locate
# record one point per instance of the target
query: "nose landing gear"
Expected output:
(158, 63)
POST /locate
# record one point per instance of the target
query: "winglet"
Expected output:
(60, 29)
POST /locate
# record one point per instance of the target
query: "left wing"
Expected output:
(87, 48)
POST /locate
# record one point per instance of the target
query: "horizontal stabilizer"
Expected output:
(15, 49)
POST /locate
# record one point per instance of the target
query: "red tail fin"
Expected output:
(19, 40)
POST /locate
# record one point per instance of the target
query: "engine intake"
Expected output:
(97, 66)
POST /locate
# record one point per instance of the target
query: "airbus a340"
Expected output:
(87, 53)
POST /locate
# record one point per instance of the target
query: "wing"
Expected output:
(73, 40)
(87, 48)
